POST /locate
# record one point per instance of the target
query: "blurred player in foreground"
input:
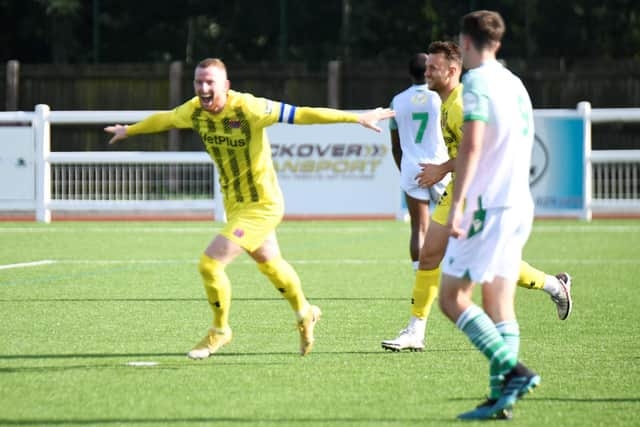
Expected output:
(489, 230)
(232, 127)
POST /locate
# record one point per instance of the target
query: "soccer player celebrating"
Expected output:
(443, 76)
(488, 234)
(416, 137)
(232, 127)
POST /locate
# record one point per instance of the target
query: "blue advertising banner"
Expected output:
(557, 174)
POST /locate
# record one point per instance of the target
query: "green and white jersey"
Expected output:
(417, 121)
(494, 95)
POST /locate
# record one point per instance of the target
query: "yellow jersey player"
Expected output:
(232, 127)
(443, 76)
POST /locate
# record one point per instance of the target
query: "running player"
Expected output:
(416, 137)
(232, 127)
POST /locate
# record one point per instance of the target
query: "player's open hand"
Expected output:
(429, 175)
(119, 132)
(372, 117)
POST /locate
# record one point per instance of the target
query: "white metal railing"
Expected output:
(114, 180)
(616, 184)
(89, 180)
(185, 180)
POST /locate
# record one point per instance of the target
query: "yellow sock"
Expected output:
(218, 288)
(425, 291)
(286, 280)
(530, 277)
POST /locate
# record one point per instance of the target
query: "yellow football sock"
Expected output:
(218, 288)
(286, 280)
(425, 291)
(530, 277)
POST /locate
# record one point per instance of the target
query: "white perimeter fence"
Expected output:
(185, 181)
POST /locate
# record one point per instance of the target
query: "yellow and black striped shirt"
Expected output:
(236, 139)
(451, 116)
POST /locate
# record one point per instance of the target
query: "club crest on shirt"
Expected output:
(419, 98)
(234, 124)
(238, 232)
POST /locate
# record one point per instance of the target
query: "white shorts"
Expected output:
(409, 185)
(494, 250)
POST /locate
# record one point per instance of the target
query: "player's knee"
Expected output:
(430, 258)
(279, 272)
(268, 268)
(447, 302)
(277, 267)
(209, 268)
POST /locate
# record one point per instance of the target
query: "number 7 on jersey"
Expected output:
(423, 118)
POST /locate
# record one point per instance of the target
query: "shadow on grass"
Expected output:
(216, 356)
(587, 399)
(225, 421)
(47, 300)
(122, 365)
(566, 399)
(86, 355)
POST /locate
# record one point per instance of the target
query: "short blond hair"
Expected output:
(212, 62)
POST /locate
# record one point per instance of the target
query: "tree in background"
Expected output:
(66, 31)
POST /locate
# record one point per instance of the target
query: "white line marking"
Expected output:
(575, 228)
(291, 228)
(142, 363)
(27, 264)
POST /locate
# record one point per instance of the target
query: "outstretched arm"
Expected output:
(368, 119)
(157, 122)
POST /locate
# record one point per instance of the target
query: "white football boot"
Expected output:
(563, 298)
(408, 339)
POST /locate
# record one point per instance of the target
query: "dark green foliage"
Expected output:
(74, 31)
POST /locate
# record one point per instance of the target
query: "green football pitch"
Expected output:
(82, 304)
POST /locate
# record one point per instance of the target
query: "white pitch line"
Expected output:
(285, 229)
(27, 264)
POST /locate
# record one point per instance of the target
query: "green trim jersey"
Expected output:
(493, 95)
(237, 141)
(417, 121)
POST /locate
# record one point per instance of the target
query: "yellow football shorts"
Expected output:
(441, 212)
(249, 224)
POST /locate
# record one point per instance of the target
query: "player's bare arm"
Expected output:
(396, 148)
(158, 122)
